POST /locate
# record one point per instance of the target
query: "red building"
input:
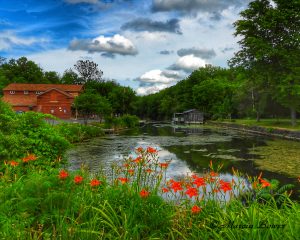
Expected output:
(55, 99)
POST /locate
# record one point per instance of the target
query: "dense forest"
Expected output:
(263, 78)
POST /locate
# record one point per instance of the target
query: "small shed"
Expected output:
(192, 116)
(178, 118)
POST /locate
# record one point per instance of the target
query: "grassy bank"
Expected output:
(267, 123)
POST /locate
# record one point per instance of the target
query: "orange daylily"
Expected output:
(78, 179)
(192, 192)
(144, 193)
(151, 150)
(95, 183)
(63, 174)
(123, 180)
(14, 163)
(195, 209)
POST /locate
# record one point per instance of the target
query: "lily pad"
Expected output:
(279, 156)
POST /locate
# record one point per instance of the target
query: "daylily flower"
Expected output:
(30, 157)
(78, 179)
(63, 174)
(137, 160)
(176, 186)
(192, 192)
(123, 180)
(130, 171)
(139, 149)
(264, 183)
(148, 170)
(199, 181)
(151, 150)
(144, 193)
(14, 163)
(195, 209)
(225, 186)
(163, 165)
(213, 174)
(165, 190)
(95, 183)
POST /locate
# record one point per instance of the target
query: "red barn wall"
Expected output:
(55, 103)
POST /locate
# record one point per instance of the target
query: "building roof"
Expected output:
(19, 100)
(190, 110)
(42, 87)
(58, 90)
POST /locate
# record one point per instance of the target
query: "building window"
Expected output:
(26, 92)
(38, 92)
(12, 92)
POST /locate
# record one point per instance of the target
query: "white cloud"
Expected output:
(117, 44)
(8, 39)
(156, 80)
(150, 89)
(153, 36)
(188, 63)
(159, 76)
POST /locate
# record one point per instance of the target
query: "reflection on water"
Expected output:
(189, 149)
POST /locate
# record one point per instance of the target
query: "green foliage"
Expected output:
(78, 132)
(89, 103)
(126, 121)
(70, 77)
(29, 133)
(270, 49)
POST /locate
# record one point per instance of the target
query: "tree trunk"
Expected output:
(257, 116)
(293, 116)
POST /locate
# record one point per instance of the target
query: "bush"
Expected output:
(126, 121)
(28, 133)
(77, 132)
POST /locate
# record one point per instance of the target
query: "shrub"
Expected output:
(77, 132)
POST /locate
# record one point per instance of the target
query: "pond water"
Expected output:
(191, 150)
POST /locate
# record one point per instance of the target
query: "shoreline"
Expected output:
(266, 131)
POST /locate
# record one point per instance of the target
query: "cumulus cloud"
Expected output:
(145, 24)
(8, 39)
(201, 53)
(159, 76)
(111, 45)
(195, 5)
(188, 63)
(156, 80)
(150, 89)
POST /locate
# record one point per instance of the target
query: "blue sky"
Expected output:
(145, 44)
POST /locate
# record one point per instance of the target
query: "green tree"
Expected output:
(70, 77)
(52, 77)
(270, 46)
(89, 103)
(22, 70)
(121, 99)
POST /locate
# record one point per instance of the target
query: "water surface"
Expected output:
(191, 150)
